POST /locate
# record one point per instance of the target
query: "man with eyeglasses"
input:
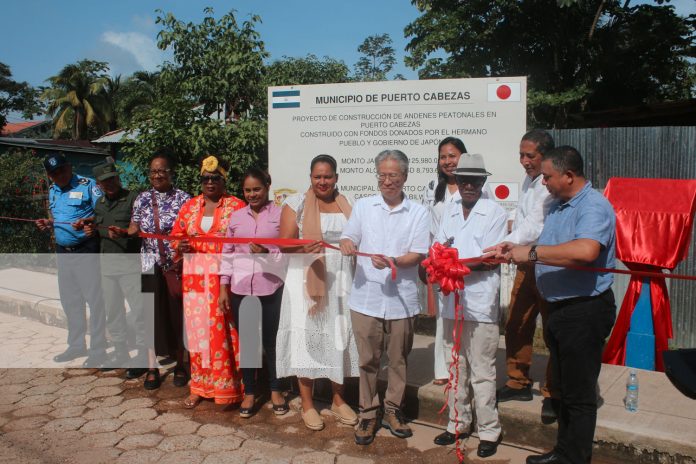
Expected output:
(383, 310)
(71, 198)
(470, 225)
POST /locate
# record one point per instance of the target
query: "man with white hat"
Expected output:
(470, 225)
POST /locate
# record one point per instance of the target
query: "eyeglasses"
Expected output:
(158, 172)
(471, 180)
(392, 176)
(213, 178)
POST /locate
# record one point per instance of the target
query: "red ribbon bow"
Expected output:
(444, 268)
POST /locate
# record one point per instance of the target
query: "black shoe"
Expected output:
(548, 458)
(70, 354)
(135, 372)
(445, 438)
(181, 377)
(117, 359)
(488, 448)
(152, 380)
(95, 361)
(548, 411)
(514, 394)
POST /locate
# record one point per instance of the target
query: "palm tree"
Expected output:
(137, 95)
(76, 98)
(112, 94)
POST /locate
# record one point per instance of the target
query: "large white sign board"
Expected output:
(354, 122)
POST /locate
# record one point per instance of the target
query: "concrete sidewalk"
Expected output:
(663, 430)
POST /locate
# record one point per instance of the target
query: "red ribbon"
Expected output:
(264, 241)
(479, 259)
(237, 240)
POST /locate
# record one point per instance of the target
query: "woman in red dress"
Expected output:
(212, 339)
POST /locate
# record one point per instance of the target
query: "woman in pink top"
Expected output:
(243, 273)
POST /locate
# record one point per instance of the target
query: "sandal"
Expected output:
(246, 413)
(181, 377)
(192, 401)
(152, 380)
(280, 409)
(440, 381)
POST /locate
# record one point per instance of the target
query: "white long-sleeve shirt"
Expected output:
(484, 227)
(532, 207)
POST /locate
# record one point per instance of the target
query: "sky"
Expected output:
(39, 37)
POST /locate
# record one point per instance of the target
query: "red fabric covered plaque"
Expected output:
(654, 218)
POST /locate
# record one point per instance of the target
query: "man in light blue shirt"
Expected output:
(72, 198)
(579, 231)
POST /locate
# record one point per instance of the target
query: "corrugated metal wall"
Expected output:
(654, 152)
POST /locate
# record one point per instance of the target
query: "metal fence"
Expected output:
(652, 152)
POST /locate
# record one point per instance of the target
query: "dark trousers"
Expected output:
(79, 281)
(575, 333)
(169, 314)
(270, 318)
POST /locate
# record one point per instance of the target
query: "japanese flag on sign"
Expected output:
(505, 191)
(504, 92)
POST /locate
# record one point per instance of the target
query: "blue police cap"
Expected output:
(53, 161)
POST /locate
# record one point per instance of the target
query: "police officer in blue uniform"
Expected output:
(71, 198)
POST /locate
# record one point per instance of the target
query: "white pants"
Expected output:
(479, 343)
(441, 355)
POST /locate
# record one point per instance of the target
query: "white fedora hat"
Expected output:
(471, 164)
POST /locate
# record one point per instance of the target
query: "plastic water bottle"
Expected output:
(631, 400)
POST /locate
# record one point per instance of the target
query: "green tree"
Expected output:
(378, 59)
(210, 99)
(578, 55)
(76, 100)
(23, 189)
(305, 71)
(217, 61)
(16, 96)
(136, 97)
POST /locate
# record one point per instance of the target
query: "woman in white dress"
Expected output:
(315, 337)
(437, 195)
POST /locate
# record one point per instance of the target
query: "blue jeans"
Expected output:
(270, 318)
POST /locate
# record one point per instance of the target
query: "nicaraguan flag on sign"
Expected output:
(286, 99)
(504, 92)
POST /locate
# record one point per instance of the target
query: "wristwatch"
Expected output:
(533, 254)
